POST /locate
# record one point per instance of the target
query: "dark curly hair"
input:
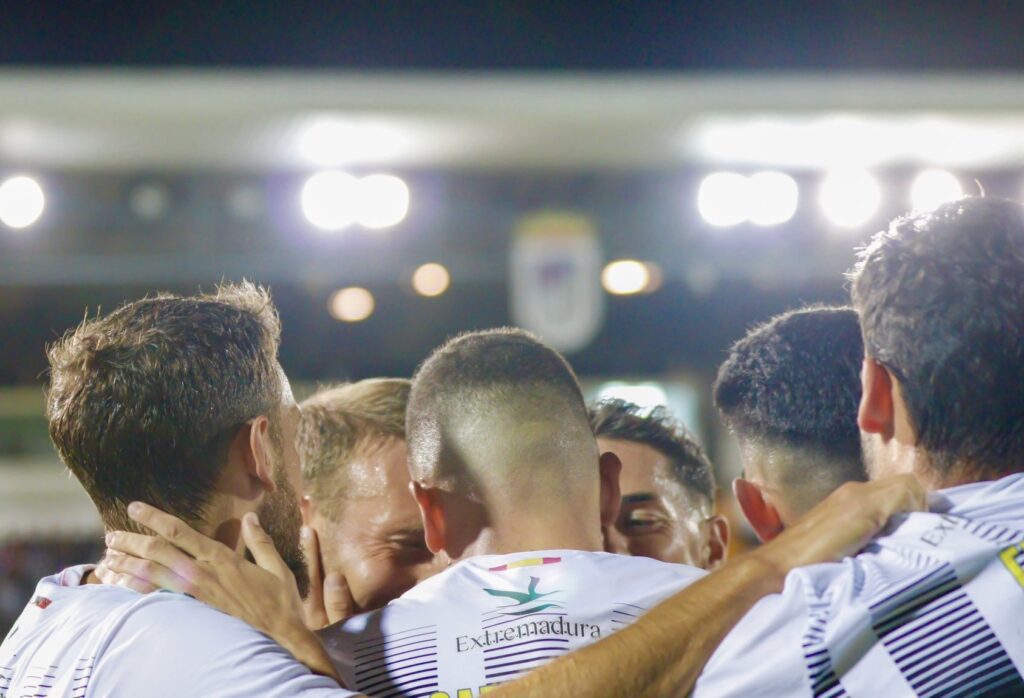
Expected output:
(795, 381)
(625, 421)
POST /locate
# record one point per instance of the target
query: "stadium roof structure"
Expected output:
(236, 119)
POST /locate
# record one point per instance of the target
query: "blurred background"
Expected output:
(638, 183)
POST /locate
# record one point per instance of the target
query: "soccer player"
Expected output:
(667, 487)
(789, 391)
(934, 607)
(351, 441)
(180, 402)
(513, 492)
(479, 495)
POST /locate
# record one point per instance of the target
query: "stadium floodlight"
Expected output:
(431, 279)
(723, 199)
(773, 198)
(331, 200)
(625, 277)
(352, 304)
(932, 188)
(21, 201)
(849, 198)
(383, 201)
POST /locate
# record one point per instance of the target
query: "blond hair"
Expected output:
(342, 421)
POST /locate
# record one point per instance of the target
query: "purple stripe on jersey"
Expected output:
(509, 672)
(395, 680)
(364, 671)
(559, 650)
(397, 635)
(391, 657)
(384, 647)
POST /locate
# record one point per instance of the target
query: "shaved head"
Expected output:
(499, 417)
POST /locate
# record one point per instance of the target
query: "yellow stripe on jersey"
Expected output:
(1012, 558)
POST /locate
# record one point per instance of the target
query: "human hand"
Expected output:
(180, 559)
(844, 522)
(329, 600)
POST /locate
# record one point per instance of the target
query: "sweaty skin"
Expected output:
(659, 517)
(375, 537)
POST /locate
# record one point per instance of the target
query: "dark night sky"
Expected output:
(389, 34)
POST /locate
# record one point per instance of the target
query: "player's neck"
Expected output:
(528, 534)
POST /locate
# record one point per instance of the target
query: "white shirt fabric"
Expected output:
(488, 619)
(933, 608)
(77, 641)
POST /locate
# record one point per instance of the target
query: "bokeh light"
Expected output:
(21, 201)
(330, 200)
(932, 188)
(431, 279)
(849, 198)
(352, 304)
(723, 199)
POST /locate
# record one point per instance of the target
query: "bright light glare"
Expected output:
(21, 202)
(431, 280)
(773, 198)
(849, 198)
(932, 188)
(333, 141)
(383, 201)
(352, 304)
(723, 199)
(331, 200)
(646, 395)
(625, 277)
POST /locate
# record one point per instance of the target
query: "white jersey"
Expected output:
(489, 619)
(76, 641)
(933, 608)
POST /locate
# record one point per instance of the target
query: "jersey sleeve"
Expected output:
(177, 646)
(764, 654)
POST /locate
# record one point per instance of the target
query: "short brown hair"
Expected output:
(939, 296)
(339, 421)
(143, 402)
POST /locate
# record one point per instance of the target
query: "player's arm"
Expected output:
(264, 595)
(663, 652)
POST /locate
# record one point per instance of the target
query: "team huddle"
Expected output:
(479, 529)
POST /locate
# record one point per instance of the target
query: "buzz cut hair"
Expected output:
(144, 402)
(622, 420)
(340, 423)
(479, 377)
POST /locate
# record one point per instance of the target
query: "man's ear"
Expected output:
(249, 473)
(877, 412)
(260, 449)
(431, 503)
(762, 516)
(718, 541)
(610, 468)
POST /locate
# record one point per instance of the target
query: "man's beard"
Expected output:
(281, 519)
